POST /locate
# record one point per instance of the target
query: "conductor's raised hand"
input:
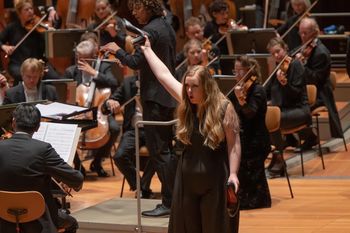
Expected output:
(146, 45)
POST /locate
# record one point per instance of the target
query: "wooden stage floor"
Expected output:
(321, 203)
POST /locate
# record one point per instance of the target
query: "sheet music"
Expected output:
(58, 110)
(63, 138)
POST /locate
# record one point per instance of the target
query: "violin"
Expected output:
(110, 21)
(38, 25)
(231, 25)
(246, 87)
(282, 66)
(6, 135)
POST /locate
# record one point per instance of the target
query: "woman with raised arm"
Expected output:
(209, 129)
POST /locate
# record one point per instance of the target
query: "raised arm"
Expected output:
(162, 73)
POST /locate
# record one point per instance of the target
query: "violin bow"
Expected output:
(300, 18)
(105, 20)
(244, 77)
(28, 33)
(275, 70)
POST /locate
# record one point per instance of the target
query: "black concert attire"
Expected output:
(255, 146)
(348, 56)
(105, 37)
(32, 47)
(292, 39)
(157, 103)
(292, 99)
(317, 72)
(17, 94)
(27, 164)
(124, 157)
(212, 29)
(104, 79)
(199, 200)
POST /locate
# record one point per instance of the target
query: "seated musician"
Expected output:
(194, 30)
(31, 167)
(124, 157)
(293, 38)
(111, 31)
(317, 60)
(249, 100)
(287, 90)
(3, 87)
(32, 46)
(31, 89)
(84, 72)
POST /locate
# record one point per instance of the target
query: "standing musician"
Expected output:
(32, 46)
(317, 60)
(293, 39)
(157, 103)
(124, 157)
(28, 164)
(31, 88)
(113, 29)
(250, 102)
(287, 90)
(84, 73)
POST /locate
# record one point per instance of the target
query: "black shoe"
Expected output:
(99, 170)
(291, 141)
(309, 143)
(159, 211)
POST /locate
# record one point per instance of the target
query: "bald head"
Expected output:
(308, 29)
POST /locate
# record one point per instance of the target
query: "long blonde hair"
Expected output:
(210, 112)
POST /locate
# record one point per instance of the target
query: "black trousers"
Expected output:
(159, 143)
(124, 159)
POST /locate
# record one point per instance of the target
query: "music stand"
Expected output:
(253, 40)
(66, 89)
(61, 43)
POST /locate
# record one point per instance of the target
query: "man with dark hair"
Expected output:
(28, 164)
(157, 103)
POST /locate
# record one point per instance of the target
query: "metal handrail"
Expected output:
(137, 144)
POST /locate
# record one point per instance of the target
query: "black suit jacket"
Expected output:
(28, 164)
(104, 79)
(162, 38)
(16, 94)
(317, 70)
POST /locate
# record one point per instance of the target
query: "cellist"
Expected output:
(84, 73)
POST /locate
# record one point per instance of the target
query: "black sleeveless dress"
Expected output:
(199, 198)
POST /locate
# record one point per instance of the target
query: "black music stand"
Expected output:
(66, 89)
(249, 41)
(61, 43)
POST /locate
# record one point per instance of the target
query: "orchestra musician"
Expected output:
(32, 46)
(31, 88)
(113, 30)
(293, 39)
(250, 102)
(194, 30)
(157, 103)
(317, 60)
(32, 165)
(84, 72)
(3, 87)
(124, 157)
(287, 90)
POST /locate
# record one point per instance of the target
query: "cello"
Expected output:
(90, 96)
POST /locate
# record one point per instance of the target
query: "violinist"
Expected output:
(83, 72)
(194, 30)
(293, 39)
(250, 105)
(31, 88)
(110, 31)
(317, 71)
(287, 90)
(33, 46)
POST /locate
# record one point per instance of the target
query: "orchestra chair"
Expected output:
(144, 155)
(317, 111)
(21, 207)
(311, 93)
(272, 121)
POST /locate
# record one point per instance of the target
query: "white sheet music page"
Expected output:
(63, 138)
(57, 110)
